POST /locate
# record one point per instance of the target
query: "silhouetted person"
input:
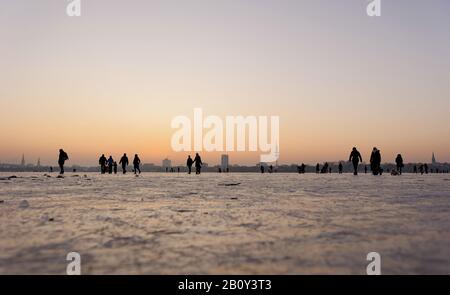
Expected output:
(303, 168)
(421, 169)
(198, 163)
(317, 168)
(355, 158)
(51, 169)
(124, 162)
(425, 166)
(115, 167)
(324, 168)
(400, 165)
(375, 162)
(365, 169)
(415, 169)
(136, 164)
(63, 157)
(189, 163)
(102, 162)
(262, 168)
(340, 168)
(178, 168)
(110, 164)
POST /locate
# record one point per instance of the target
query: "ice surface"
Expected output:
(162, 223)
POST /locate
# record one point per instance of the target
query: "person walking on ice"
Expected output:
(63, 157)
(124, 162)
(136, 164)
(355, 158)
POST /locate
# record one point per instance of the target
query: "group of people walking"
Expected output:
(110, 166)
(197, 161)
(375, 161)
(355, 158)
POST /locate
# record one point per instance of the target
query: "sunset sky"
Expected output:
(111, 80)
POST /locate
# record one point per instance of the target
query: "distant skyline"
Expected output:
(111, 80)
(167, 162)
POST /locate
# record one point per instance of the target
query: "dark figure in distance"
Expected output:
(63, 157)
(110, 164)
(426, 168)
(355, 158)
(415, 169)
(124, 162)
(102, 163)
(303, 166)
(115, 167)
(198, 164)
(400, 165)
(375, 161)
(341, 168)
(317, 168)
(136, 164)
(262, 168)
(324, 168)
(421, 169)
(189, 163)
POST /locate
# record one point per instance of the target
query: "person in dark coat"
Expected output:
(110, 164)
(355, 158)
(198, 163)
(375, 161)
(189, 163)
(136, 164)
(102, 163)
(124, 162)
(63, 157)
(400, 165)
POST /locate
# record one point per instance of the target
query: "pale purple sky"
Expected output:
(111, 80)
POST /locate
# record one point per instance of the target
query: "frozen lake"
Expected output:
(186, 224)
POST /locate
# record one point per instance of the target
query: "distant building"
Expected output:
(433, 159)
(38, 162)
(166, 164)
(224, 162)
